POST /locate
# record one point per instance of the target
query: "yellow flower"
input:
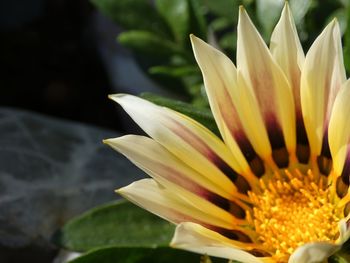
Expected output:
(275, 188)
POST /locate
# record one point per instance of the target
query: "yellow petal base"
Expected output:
(293, 210)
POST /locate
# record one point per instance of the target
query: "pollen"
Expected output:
(291, 211)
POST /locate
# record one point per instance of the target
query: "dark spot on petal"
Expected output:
(238, 180)
(303, 149)
(341, 187)
(324, 165)
(279, 152)
(303, 153)
(237, 211)
(346, 169)
(325, 151)
(281, 157)
(257, 166)
(242, 184)
(274, 132)
(235, 235)
(347, 209)
(253, 159)
(324, 161)
(219, 201)
(259, 253)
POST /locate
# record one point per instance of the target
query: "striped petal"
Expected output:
(158, 162)
(321, 78)
(339, 128)
(163, 202)
(269, 84)
(220, 80)
(198, 239)
(187, 140)
(288, 53)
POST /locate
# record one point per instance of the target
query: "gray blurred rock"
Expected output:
(50, 171)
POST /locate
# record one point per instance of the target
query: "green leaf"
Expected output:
(299, 9)
(149, 43)
(268, 12)
(141, 255)
(183, 17)
(347, 42)
(177, 15)
(133, 14)
(198, 24)
(339, 258)
(175, 72)
(341, 15)
(223, 8)
(202, 115)
(119, 224)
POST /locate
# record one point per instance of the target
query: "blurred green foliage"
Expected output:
(157, 32)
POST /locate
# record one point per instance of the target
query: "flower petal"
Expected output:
(269, 84)
(187, 140)
(339, 128)
(313, 252)
(288, 53)
(155, 198)
(344, 231)
(196, 238)
(322, 75)
(220, 79)
(165, 168)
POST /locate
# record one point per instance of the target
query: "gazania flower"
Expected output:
(275, 187)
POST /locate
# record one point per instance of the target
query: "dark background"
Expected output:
(50, 62)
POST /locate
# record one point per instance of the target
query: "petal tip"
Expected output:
(116, 97)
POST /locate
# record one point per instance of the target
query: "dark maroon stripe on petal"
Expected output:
(234, 126)
(341, 187)
(203, 148)
(218, 201)
(346, 169)
(325, 151)
(183, 181)
(238, 180)
(256, 164)
(324, 160)
(303, 149)
(237, 211)
(279, 151)
(347, 210)
(233, 234)
(274, 132)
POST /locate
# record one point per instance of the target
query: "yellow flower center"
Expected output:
(291, 211)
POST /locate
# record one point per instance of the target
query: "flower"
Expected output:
(275, 188)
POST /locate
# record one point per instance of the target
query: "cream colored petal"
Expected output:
(319, 251)
(157, 199)
(177, 177)
(344, 231)
(339, 128)
(253, 123)
(186, 139)
(287, 51)
(196, 238)
(268, 82)
(220, 79)
(150, 155)
(313, 252)
(321, 78)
